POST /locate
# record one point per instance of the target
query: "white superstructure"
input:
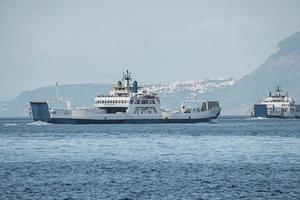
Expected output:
(277, 104)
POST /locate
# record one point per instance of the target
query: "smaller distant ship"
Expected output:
(277, 105)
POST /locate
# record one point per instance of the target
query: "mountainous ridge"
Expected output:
(281, 68)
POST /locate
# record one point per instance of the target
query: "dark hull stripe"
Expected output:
(281, 117)
(127, 121)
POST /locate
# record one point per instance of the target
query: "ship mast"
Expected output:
(278, 91)
(127, 78)
(56, 85)
(194, 91)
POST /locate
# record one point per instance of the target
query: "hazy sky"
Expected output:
(42, 42)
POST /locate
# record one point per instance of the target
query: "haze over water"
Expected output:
(231, 158)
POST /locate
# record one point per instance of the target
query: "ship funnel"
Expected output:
(135, 87)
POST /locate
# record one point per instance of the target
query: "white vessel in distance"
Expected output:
(127, 103)
(277, 105)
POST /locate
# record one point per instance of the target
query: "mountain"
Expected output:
(82, 95)
(236, 96)
(281, 68)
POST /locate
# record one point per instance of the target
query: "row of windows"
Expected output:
(144, 102)
(112, 101)
(274, 101)
(125, 101)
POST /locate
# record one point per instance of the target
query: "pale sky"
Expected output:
(86, 41)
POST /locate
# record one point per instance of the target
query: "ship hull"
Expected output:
(278, 117)
(261, 110)
(281, 117)
(41, 112)
(126, 121)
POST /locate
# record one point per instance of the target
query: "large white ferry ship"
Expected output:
(277, 105)
(126, 103)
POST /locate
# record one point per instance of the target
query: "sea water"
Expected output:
(230, 158)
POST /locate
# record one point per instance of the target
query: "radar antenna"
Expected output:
(278, 89)
(127, 77)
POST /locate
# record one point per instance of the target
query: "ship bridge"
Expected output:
(119, 98)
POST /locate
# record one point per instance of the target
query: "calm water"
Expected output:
(231, 158)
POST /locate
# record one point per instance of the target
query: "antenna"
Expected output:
(127, 77)
(278, 88)
(194, 90)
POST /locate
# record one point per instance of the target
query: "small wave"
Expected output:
(10, 124)
(37, 123)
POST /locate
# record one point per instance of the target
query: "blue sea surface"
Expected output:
(230, 158)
